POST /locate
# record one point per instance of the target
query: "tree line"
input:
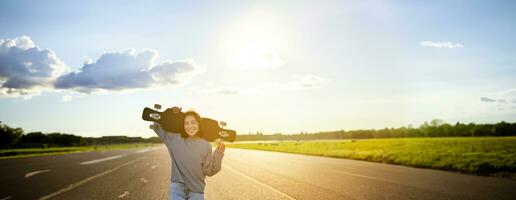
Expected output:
(434, 128)
(16, 138)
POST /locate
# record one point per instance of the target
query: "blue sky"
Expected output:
(89, 68)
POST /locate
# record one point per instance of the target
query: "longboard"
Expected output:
(172, 120)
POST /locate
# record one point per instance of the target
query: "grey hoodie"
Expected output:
(191, 159)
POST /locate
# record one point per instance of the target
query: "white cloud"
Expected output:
(296, 82)
(128, 70)
(228, 91)
(487, 99)
(449, 45)
(66, 98)
(510, 93)
(306, 81)
(25, 69)
(502, 99)
(211, 88)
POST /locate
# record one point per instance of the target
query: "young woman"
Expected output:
(191, 157)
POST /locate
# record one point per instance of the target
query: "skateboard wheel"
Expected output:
(222, 124)
(157, 106)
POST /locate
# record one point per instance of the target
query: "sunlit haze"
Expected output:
(89, 68)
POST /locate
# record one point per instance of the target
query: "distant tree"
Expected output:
(447, 130)
(504, 129)
(58, 139)
(9, 136)
(34, 139)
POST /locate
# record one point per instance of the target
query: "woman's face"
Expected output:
(191, 125)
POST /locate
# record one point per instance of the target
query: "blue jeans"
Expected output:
(178, 191)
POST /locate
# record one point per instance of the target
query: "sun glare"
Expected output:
(255, 56)
(252, 42)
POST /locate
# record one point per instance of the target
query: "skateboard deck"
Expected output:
(173, 121)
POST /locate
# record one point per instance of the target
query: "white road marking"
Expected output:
(77, 184)
(27, 175)
(101, 160)
(143, 150)
(143, 180)
(363, 176)
(147, 149)
(259, 183)
(5, 198)
(123, 195)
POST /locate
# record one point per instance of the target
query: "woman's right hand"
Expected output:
(156, 126)
(221, 148)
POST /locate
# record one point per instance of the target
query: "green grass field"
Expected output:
(493, 156)
(19, 153)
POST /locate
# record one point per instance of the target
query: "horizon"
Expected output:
(294, 133)
(90, 68)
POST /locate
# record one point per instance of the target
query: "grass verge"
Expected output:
(488, 156)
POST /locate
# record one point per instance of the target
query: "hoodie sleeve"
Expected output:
(212, 162)
(163, 135)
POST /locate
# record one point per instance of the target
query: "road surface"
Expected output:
(246, 174)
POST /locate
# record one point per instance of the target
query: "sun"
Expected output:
(253, 41)
(255, 56)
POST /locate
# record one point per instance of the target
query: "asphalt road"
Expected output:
(246, 174)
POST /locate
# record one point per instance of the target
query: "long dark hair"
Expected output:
(199, 121)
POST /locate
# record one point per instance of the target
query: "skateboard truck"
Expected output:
(223, 134)
(155, 115)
